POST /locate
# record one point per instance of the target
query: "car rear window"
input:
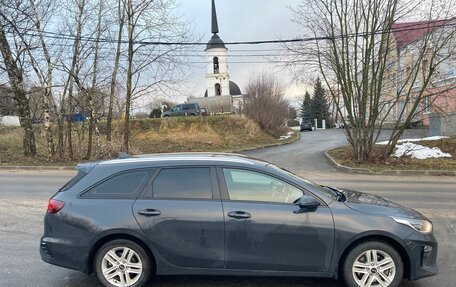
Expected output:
(125, 185)
(73, 181)
(185, 183)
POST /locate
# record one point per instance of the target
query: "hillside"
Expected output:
(197, 134)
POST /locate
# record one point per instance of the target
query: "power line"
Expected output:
(404, 28)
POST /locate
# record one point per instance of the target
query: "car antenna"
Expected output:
(124, 155)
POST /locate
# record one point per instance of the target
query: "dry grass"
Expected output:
(344, 156)
(197, 134)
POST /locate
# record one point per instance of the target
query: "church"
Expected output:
(222, 95)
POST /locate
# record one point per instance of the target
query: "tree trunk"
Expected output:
(129, 77)
(121, 13)
(74, 71)
(61, 129)
(47, 98)
(17, 85)
(93, 90)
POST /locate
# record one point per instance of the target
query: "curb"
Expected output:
(268, 146)
(388, 172)
(72, 168)
(40, 167)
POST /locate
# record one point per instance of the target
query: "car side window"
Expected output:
(125, 185)
(245, 185)
(184, 183)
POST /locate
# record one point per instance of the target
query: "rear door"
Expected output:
(181, 213)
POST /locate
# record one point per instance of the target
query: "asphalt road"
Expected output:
(23, 200)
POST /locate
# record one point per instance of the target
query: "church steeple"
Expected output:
(215, 28)
(218, 78)
(215, 41)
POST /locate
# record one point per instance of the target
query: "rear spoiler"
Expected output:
(86, 167)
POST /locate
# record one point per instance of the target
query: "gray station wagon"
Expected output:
(224, 214)
(189, 109)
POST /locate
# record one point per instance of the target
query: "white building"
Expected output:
(218, 77)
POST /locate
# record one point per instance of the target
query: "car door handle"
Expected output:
(149, 212)
(239, 214)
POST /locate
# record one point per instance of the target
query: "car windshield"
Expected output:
(329, 192)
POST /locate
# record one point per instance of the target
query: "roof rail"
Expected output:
(124, 155)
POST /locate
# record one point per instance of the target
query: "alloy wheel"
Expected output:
(374, 268)
(121, 266)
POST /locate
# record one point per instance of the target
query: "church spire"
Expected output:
(215, 28)
(215, 41)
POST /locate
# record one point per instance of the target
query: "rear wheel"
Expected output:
(122, 263)
(373, 264)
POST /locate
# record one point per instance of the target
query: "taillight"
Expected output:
(55, 205)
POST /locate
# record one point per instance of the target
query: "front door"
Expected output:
(176, 111)
(182, 216)
(264, 229)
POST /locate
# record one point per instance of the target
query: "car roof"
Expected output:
(150, 160)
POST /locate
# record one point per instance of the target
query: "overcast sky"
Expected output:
(241, 20)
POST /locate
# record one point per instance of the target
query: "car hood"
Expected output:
(373, 204)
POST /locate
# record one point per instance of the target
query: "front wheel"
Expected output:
(122, 263)
(373, 264)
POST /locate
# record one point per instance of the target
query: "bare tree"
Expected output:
(121, 24)
(151, 67)
(94, 89)
(265, 104)
(65, 59)
(73, 72)
(12, 62)
(357, 50)
(44, 74)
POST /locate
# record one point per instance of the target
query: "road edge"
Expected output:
(36, 168)
(405, 172)
(271, 145)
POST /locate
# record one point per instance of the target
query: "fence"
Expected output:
(442, 125)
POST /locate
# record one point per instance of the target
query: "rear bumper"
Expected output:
(63, 254)
(423, 255)
(306, 127)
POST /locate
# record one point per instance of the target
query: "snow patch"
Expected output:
(289, 135)
(436, 138)
(418, 151)
(10, 121)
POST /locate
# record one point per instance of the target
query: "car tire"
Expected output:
(385, 264)
(134, 270)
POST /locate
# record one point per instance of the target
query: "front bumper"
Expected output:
(423, 255)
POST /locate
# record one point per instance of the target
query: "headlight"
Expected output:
(419, 225)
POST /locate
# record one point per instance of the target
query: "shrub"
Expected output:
(265, 104)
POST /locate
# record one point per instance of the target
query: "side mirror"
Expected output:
(307, 203)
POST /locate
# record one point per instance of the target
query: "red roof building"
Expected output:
(409, 32)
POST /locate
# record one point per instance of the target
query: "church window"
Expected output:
(216, 65)
(218, 90)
